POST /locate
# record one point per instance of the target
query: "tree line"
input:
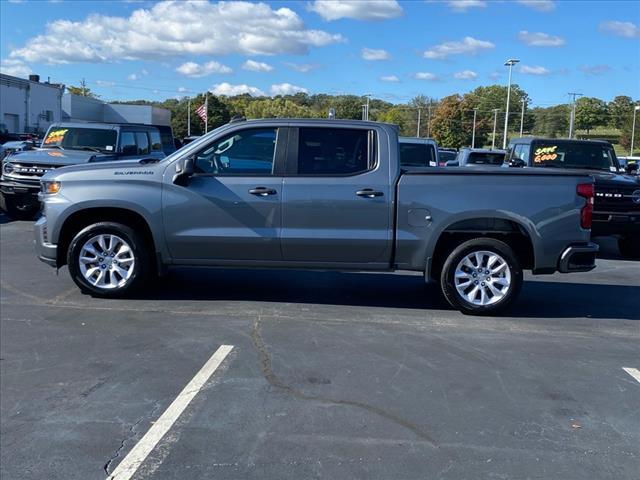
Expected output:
(449, 120)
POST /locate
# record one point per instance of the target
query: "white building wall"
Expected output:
(29, 106)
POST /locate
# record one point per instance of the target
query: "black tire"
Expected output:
(448, 280)
(629, 246)
(142, 269)
(20, 208)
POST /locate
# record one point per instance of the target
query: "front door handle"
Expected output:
(262, 191)
(369, 193)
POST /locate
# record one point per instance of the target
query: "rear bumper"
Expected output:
(47, 252)
(578, 258)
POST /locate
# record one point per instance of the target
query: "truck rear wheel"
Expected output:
(481, 277)
(109, 259)
(19, 207)
(629, 246)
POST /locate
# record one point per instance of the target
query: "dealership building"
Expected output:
(29, 106)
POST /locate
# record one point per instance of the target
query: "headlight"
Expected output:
(7, 168)
(51, 188)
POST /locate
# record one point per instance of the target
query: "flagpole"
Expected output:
(206, 112)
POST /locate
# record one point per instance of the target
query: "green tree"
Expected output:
(590, 113)
(551, 122)
(447, 126)
(82, 90)
(401, 116)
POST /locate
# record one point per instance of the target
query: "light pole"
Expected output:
(633, 128)
(572, 118)
(495, 122)
(189, 117)
(418, 129)
(473, 133)
(366, 107)
(522, 118)
(509, 63)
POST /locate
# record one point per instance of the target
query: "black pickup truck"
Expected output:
(617, 192)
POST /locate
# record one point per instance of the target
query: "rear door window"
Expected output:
(417, 155)
(156, 141)
(334, 151)
(142, 142)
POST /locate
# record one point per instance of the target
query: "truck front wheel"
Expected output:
(481, 277)
(629, 246)
(108, 259)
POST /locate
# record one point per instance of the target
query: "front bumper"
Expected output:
(578, 258)
(47, 252)
(615, 223)
(9, 186)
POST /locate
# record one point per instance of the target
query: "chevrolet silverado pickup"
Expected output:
(70, 144)
(314, 194)
(616, 210)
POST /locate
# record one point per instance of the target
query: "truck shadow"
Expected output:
(538, 299)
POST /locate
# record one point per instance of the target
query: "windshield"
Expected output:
(574, 155)
(78, 138)
(486, 158)
(417, 155)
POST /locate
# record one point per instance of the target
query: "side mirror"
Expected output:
(184, 170)
(517, 163)
(632, 168)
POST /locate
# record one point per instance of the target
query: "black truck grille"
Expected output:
(617, 199)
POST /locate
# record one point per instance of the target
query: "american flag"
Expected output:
(202, 111)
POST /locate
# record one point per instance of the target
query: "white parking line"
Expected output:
(634, 372)
(145, 446)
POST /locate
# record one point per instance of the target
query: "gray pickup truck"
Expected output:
(314, 194)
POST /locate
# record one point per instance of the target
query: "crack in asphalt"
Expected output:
(275, 381)
(130, 434)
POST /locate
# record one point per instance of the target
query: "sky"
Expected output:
(390, 49)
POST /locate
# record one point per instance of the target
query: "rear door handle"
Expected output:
(369, 193)
(262, 191)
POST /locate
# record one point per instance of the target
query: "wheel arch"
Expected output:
(82, 218)
(519, 234)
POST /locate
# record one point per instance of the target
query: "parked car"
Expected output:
(71, 144)
(629, 164)
(617, 196)
(472, 157)
(314, 194)
(12, 147)
(446, 155)
(418, 152)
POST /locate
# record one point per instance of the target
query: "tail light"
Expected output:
(587, 191)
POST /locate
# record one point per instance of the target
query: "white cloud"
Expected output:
(144, 71)
(175, 29)
(182, 90)
(464, 5)
(254, 66)
(465, 75)
(539, 5)
(425, 76)
(286, 89)
(540, 39)
(195, 70)
(595, 69)
(105, 83)
(390, 78)
(373, 54)
(468, 45)
(495, 75)
(534, 70)
(620, 29)
(133, 77)
(17, 68)
(229, 90)
(356, 9)
(302, 67)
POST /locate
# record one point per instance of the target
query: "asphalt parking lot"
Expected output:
(331, 375)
